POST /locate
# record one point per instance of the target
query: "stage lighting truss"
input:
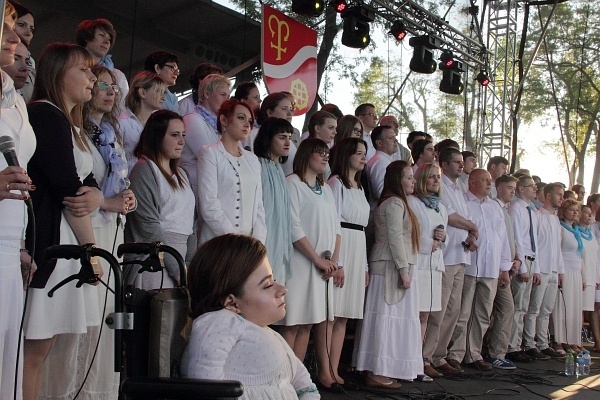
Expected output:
(452, 79)
(308, 8)
(398, 30)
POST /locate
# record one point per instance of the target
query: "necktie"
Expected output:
(531, 229)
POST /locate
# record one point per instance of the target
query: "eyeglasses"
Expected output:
(323, 153)
(357, 130)
(105, 86)
(374, 115)
(174, 68)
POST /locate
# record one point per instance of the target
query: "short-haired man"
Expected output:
(551, 265)
(496, 166)
(98, 36)
(525, 227)
(413, 137)
(402, 153)
(18, 71)
(470, 163)
(491, 260)
(367, 114)
(456, 257)
(504, 308)
(386, 144)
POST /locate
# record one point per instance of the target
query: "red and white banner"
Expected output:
(289, 57)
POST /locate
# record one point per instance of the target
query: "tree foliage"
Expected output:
(563, 86)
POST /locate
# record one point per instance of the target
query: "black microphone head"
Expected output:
(327, 255)
(6, 144)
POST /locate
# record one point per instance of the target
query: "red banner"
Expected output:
(289, 57)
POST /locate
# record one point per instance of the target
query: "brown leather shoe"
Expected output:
(455, 364)
(481, 365)
(381, 382)
(432, 372)
(447, 369)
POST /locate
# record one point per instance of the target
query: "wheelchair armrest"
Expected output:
(180, 388)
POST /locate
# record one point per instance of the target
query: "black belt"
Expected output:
(530, 258)
(356, 227)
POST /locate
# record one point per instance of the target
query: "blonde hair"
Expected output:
(421, 176)
(210, 83)
(144, 80)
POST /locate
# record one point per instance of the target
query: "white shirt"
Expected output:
(186, 105)
(454, 200)
(520, 218)
(131, 129)
(370, 149)
(463, 181)
(550, 257)
(376, 172)
(198, 133)
(493, 253)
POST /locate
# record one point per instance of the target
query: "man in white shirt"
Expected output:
(550, 262)
(504, 307)
(481, 276)
(384, 140)
(497, 166)
(402, 153)
(461, 236)
(367, 114)
(525, 227)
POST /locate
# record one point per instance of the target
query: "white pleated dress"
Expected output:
(353, 207)
(590, 265)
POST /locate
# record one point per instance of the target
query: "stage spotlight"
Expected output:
(356, 26)
(483, 79)
(422, 60)
(447, 59)
(452, 79)
(340, 5)
(308, 8)
(398, 31)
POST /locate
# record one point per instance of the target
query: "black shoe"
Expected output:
(519, 356)
(536, 354)
(552, 353)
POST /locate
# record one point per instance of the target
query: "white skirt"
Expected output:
(589, 297)
(11, 307)
(390, 343)
(430, 290)
(567, 323)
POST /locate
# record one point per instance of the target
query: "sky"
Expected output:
(541, 161)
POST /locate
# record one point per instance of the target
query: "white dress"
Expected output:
(13, 220)
(353, 207)
(590, 265)
(314, 216)
(430, 265)
(567, 316)
(224, 345)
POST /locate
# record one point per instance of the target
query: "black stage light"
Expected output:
(447, 59)
(308, 8)
(356, 26)
(398, 31)
(423, 60)
(340, 5)
(483, 79)
(452, 79)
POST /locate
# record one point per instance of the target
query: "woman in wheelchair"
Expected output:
(233, 299)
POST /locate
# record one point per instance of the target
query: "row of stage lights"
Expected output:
(356, 34)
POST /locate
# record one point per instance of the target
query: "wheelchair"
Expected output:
(147, 325)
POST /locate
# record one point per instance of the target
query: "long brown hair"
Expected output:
(305, 151)
(150, 145)
(219, 268)
(52, 66)
(392, 187)
(341, 160)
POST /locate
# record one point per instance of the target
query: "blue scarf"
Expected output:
(209, 117)
(586, 233)
(431, 201)
(104, 138)
(576, 231)
(107, 62)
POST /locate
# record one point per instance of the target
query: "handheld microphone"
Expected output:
(327, 255)
(7, 147)
(119, 215)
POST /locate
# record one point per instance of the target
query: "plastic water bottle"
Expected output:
(579, 364)
(570, 364)
(587, 360)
